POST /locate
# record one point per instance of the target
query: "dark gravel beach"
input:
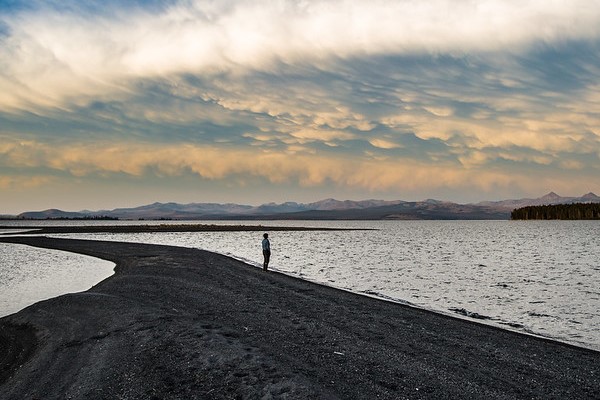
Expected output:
(177, 323)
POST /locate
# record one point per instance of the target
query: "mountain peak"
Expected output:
(551, 195)
(433, 201)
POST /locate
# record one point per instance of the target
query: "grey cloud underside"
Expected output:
(223, 108)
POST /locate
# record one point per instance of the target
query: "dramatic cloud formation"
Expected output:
(56, 54)
(294, 100)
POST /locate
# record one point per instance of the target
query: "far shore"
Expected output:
(180, 323)
(162, 227)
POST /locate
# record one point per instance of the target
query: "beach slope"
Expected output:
(177, 323)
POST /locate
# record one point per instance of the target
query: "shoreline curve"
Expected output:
(176, 322)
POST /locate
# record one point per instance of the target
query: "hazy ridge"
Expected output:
(324, 209)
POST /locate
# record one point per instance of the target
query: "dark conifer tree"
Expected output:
(558, 211)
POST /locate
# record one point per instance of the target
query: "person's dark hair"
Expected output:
(266, 235)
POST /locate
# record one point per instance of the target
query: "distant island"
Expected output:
(558, 211)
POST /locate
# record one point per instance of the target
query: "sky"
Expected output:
(125, 103)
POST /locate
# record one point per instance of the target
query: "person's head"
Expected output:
(266, 235)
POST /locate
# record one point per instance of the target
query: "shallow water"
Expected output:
(541, 277)
(29, 275)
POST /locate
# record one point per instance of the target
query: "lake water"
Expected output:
(28, 275)
(539, 277)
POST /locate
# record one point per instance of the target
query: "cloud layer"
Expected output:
(52, 55)
(390, 97)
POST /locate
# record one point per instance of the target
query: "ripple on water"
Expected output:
(512, 271)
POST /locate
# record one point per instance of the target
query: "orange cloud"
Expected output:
(214, 163)
(20, 183)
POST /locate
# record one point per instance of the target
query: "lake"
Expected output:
(538, 277)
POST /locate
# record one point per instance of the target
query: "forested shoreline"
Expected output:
(558, 211)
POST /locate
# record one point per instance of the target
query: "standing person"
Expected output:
(266, 246)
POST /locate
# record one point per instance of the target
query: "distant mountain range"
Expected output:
(320, 210)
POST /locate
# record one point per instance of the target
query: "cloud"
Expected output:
(54, 55)
(383, 143)
(375, 96)
(21, 183)
(137, 160)
(327, 136)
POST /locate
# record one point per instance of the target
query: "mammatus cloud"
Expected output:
(49, 57)
(379, 96)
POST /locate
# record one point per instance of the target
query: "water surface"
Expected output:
(29, 275)
(540, 277)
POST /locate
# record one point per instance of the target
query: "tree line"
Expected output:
(558, 211)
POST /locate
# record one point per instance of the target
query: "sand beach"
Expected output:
(179, 323)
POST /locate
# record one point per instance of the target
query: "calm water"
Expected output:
(28, 275)
(540, 277)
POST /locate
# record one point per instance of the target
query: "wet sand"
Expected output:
(177, 323)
